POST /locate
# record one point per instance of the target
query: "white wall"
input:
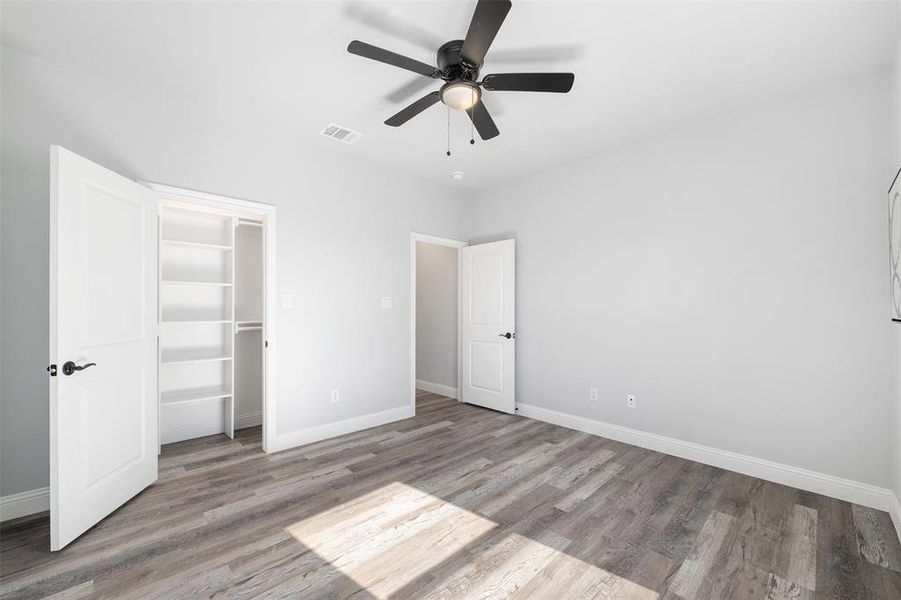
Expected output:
(436, 314)
(731, 275)
(738, 289)
(343, 243)
(896, 327)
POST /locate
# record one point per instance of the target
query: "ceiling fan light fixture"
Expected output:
(460, 95)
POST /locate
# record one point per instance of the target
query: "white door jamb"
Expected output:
(438, 241)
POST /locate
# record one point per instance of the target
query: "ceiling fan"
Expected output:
(459, 62)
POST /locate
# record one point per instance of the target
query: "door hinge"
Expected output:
(52, 370)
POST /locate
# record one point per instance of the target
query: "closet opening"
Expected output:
(215, 315)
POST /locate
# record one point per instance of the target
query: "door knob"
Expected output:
(70, 367)
(507, 335)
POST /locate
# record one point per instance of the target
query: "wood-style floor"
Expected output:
(458, 502)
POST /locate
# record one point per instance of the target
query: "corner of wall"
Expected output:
(896, 164)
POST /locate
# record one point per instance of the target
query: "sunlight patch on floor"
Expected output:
(388, 538)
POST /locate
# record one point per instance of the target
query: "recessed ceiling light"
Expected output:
(458, 175)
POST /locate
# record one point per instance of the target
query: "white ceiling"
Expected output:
(280, 72)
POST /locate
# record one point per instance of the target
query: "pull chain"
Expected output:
(448, 131)
(472, 110)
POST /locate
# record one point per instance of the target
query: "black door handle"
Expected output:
(507, 335)
(70, 367)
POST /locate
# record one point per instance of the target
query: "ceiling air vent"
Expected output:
(342, 134)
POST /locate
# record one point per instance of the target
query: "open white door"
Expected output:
(487, 332)
(103, 315)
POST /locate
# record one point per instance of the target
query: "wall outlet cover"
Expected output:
(593, 393)
(630, 401)
(287, 300)
(386, 301)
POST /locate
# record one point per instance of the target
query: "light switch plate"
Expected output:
(287, 300)
(386, 301)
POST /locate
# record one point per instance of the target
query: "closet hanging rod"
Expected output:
(250, 223)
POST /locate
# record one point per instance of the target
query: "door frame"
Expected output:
(437, 241)
(197, 199)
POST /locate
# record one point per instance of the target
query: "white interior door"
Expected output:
(487, 332)
(103, 320)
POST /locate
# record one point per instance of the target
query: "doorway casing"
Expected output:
(267, 213)
(437, 241)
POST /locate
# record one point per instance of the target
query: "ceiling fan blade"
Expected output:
(390, 58)
(529, 82)
(412, 110)
(486, 21)
(483, 122)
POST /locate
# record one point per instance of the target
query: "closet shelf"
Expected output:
(195, 321)
(193, 396)
(190, 244)
(211, 289)
(193, 355)
(208, 283)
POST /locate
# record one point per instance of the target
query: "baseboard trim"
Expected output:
(253, 419)
(436, 388)
(189, 432)
(895, 512)
(24, 503)
(812, 481)
(329, 430)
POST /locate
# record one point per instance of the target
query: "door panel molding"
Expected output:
(488, 310)
(103, 271)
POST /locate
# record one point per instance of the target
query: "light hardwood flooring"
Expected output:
(458, 502)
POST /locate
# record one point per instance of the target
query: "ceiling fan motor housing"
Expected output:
(451, 63)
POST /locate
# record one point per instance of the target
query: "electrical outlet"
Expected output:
(386, 301)
(335, 396)
(287, 300)
(630, 401)
(593, 393)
